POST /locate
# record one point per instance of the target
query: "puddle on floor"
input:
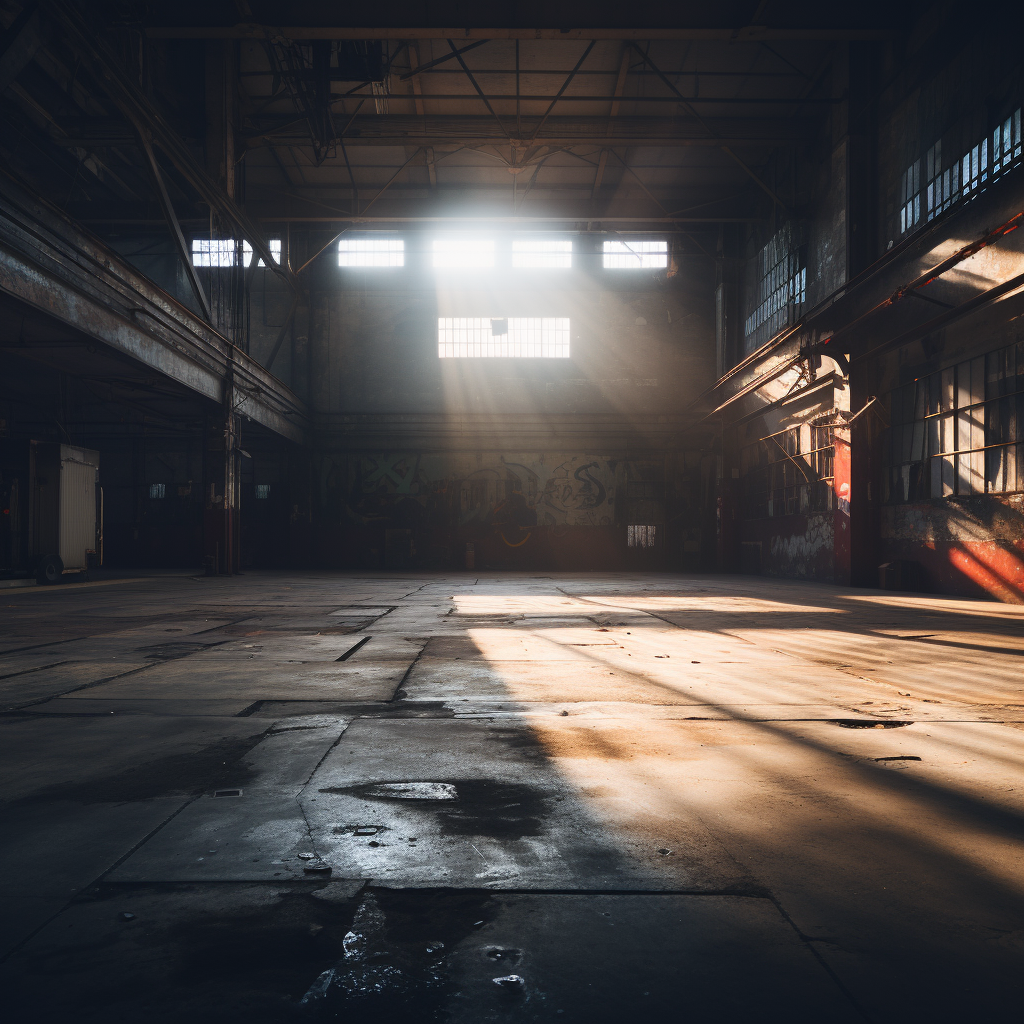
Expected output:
(395, 964)
(467, 807)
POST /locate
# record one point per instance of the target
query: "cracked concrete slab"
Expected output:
(252, 826)
(845, 763)
(187, 679)
(503, 829)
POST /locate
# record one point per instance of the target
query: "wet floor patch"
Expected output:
(467, 807)
(276, 954)
(396, 963)
(410, 791)
(173, 953)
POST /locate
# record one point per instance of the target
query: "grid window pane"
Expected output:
(213, 252)
(223, 252)
(506, 338)
(958, 431)
(635, 255)
(464, 253)
(371, 252)
(542, 253)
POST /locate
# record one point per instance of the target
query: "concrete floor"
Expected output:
(703, 798)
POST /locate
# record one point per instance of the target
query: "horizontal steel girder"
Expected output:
(51, 265)
(747, 34)
(472, 129)
(407, 129)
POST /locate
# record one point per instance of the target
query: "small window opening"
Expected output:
(262, 491)
(632, 255)
(640, 536)
(782, 289)
(223, 252)
(371, 252)
(542, 253)
(157, 490)
(910, 197)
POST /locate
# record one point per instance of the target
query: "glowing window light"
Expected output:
(223, 252)
(542, 253)
(371, 252)
(511, 338)
(213, 252)
(635, 255)
(464, 253)
(273, 244)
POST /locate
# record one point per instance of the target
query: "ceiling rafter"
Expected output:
(753, 34)
(476, 85)
(620, 86)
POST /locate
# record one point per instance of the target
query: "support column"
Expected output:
(728, 267)
(221, 112)
(862, 250)
(841, 478)
(230, 561)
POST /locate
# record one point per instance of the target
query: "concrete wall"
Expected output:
(527, 460)
(533, 462)
(511, 509)
(642, 341)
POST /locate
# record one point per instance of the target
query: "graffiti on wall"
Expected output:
(574, 491)
(515, 490)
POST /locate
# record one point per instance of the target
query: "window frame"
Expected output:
(609, 255)
(957, 432)
(520, 250)
(477, 338)
(390, 264)
(240, 252)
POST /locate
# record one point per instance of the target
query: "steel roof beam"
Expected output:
(749, 34)
(138, 110)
